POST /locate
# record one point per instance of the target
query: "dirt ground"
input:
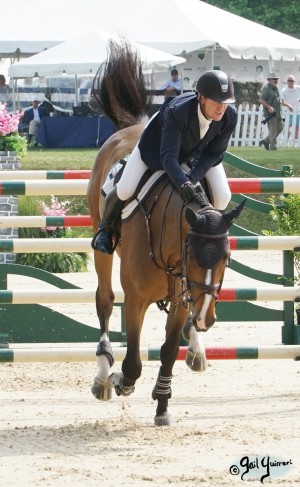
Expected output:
(237, 423)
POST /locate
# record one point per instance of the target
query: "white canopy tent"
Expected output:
(84, 55)
(176, 26)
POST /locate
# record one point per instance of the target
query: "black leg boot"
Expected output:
(102, 241)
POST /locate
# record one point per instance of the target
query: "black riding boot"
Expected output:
(102, 241)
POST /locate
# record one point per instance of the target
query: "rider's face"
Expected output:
(213, 110)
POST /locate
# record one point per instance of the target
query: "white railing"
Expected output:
(249, 130)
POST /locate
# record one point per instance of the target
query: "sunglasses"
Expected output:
(291, 81)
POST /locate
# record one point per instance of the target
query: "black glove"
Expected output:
(188, 192)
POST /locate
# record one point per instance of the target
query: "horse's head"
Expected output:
(207, 254)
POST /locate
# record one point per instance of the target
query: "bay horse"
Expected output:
(170, 254)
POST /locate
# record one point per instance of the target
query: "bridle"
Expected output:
(187, 285)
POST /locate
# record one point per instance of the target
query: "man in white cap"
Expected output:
(290, 98)
(33, 117)
(271, 102)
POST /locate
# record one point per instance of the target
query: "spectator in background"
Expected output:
(173, 86)
(290, 98)
(33, 117)
(5, 94)
(271, 102)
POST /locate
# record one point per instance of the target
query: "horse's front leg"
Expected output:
(168, 355)
(196, 356)
(102, 388)
(124, 382)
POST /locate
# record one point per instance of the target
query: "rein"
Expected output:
(147, 215)
(163, 303)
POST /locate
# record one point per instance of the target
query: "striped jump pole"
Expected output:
(79, 187)
(56, 296)
(265, 243)
(278, 293)
(45, 188)
(237, 185)
(40, 296)
(41, 245)
(147, 353)
(44, 175)
(45, 245)
(264, 185)
(45, 221)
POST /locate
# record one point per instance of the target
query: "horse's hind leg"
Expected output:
(124, 382)
(101, 388)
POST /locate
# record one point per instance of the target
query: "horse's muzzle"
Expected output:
(203, 325)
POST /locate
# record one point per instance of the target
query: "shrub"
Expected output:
(51, 262)
(287, 219)
(14, 142)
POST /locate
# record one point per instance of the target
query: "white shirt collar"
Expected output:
(203, 123)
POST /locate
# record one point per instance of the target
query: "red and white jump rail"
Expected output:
(56, 296)
(237, 185)
(45, 221)
(79, 186)
(44, 175)
(41, 245)
(147, 353)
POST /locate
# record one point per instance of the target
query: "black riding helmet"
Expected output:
(217, 86)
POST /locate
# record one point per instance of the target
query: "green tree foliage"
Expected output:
(281, 16)
(287, 217)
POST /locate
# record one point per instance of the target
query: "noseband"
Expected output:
(187, 285)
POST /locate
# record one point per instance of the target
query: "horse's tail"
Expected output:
(119, 86)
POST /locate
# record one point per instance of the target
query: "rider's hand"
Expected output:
(188, 192)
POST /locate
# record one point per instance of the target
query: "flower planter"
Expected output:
(8, 153)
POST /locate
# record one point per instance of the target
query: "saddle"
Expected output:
(147, 182)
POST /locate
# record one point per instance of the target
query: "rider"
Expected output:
(194, 128)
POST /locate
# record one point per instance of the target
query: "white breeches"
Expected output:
(135, 168)
(132, 174)
(218, 187)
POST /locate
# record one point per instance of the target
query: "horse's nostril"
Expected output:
(210, 322)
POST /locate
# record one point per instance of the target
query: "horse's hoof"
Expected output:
(196, 361)
(116, 380)
(164, 420)
(102, 390)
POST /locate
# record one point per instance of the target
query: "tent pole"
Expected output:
(14, 93)
(181, 75)
(213, 56)
(76, 90)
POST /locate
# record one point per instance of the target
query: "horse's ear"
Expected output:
(192, 217)
(233, 214)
